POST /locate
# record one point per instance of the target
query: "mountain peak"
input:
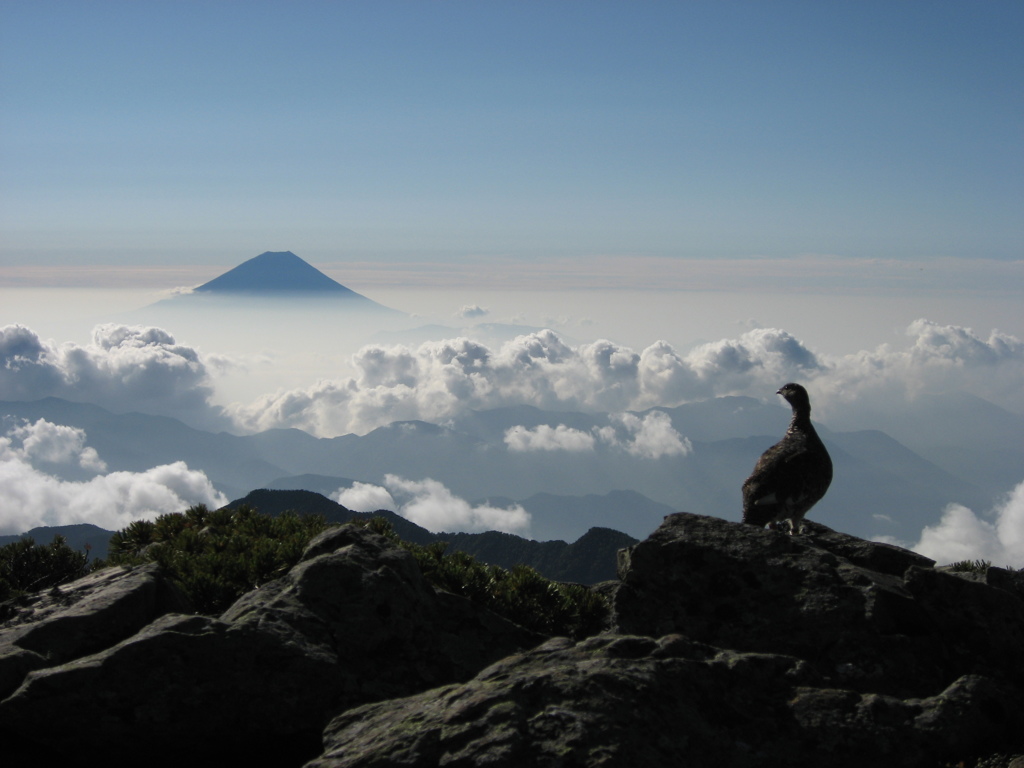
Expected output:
(275, 272)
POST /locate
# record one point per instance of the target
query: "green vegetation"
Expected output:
(215, 557)
(521, 594)
(975, 566)
(970, 566)
(29, 567)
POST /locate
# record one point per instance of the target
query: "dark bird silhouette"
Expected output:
(792, 475)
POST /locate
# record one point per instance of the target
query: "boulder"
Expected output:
(728, 645)
(353, 622)
(620, 700)
(363, 603)
(869, 617)
(80, 618)
(737, 646)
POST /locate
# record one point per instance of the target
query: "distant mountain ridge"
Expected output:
(81, 536)
(588, 560)
(553, 517)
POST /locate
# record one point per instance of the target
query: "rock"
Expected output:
(353, 622)
(186, 690)
(619, 700)
(80, 618)
(869, 617)
(735, 646)
(356, 596)
(728, 646)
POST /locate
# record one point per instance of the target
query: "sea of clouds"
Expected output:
(127, 368)
(133, 368)
(439, 379)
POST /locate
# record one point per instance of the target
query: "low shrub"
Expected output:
(521, 594)
(215, 557)
(970, 566)
(29, 567)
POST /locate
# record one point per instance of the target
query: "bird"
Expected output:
(791, 476)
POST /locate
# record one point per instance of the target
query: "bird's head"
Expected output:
(795, 395)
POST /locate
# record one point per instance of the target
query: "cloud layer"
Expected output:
(143, 368)
(941, 358)
(33, 497)
(430, 504)
(440, 379)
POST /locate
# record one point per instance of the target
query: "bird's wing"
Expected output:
(779, 479)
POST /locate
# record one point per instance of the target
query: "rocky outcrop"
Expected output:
(624, 700)
(80, 618)
(729, 646)
(867, 617)
(735, 646)
(353, 622)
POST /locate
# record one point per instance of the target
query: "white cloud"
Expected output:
(32, 497)
(963, 535)
(439, 379)
(50, 443)
(136, 368)
(546, 438)
(430, 504)
(955, 345)
(436, 508)
(760, 360)
(123, 368)
(364, 497)
(651, 437)
(470, 311)
(942, 358)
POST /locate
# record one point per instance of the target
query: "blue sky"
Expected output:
(162, 133)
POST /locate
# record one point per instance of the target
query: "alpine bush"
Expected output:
(217, 556)
(29, 567)
(521, 594)
(970, 566)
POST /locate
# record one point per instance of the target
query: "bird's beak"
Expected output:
(778, 391)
